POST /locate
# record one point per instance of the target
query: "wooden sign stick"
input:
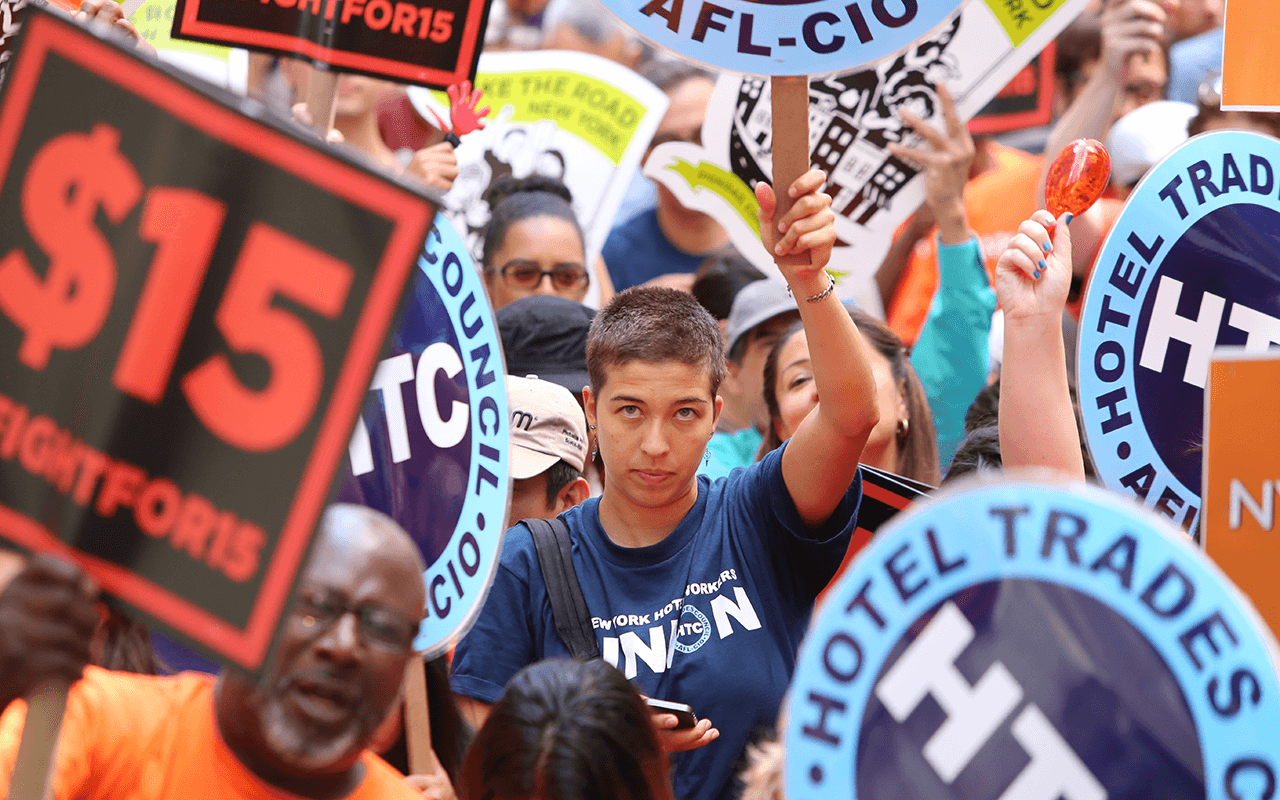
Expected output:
(790, 96)
(417, 719)
(33, 765)
(322, 89)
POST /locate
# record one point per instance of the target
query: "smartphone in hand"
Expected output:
(685, 718)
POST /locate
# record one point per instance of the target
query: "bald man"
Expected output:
(336, 673)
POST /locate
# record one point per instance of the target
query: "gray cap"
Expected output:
(757, 302)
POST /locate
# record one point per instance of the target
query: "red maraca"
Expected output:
(1077, 177)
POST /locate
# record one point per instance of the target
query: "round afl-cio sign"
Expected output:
(783, 37)
(1191, 264)
(430, 448)
(1026, 642)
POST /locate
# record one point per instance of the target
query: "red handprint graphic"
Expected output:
(462, 111)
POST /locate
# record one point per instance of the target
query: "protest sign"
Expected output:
(1186, 267)
(428, 42)
(1026, 641)
(800, 37)
(852, 118)
(430, 448)
(579, 118)
(1242, 473)
(184, 353)
(1248, 64)
(884, 494)
(224, 66)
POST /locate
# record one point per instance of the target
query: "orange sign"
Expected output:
(1241, 518)
(1248, 57)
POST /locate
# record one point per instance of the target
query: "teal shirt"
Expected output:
(728, 451)
(951, 354)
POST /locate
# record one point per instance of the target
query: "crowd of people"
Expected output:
(696, 439)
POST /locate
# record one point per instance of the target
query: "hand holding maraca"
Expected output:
(1033, 276)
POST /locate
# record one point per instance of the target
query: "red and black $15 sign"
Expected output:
(191, 306)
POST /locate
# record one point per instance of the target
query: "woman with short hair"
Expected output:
(699, 591)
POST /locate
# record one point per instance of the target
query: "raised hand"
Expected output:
(946, 163)
(1033, 275)
(436, 166)
(809, 225)
(1128, 28)
(47, 619)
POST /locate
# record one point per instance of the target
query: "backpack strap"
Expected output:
(568, 606)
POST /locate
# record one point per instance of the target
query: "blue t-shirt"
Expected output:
(711, 616)
(638, 250)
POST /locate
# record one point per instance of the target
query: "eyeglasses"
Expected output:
(527, 275)
(379, 625)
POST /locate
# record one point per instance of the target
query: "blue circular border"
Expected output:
(773, 24)
(485, 501)
(964, 526)
(1148, 216)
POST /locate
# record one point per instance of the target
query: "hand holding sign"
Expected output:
(809, 226)
(48, 617)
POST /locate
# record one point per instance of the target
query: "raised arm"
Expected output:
(1131, 29)
(951, 352)
(1037, 422)
(822, 458)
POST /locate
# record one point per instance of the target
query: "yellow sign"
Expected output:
(1248, 62)
(1240, 523)
(1021, 18)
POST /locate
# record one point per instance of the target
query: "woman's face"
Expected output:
(533, 246)
(654, 421)
(798, 395)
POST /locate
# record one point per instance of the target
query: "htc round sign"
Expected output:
(784, 37)
(430, 448)
(1191, 264)
(1025, 642)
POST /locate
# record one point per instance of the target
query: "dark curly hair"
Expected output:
(513, 199)
(570, 730)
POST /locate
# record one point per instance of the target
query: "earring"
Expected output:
(706, 458)
(904, 425)
(592, 427)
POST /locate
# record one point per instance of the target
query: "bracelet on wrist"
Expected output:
(822, 295)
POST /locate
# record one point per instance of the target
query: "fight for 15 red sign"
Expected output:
(192, 302)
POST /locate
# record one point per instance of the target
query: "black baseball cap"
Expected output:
(546, 336)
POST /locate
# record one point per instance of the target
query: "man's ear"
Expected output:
(717, 407)
(589, 405)
(574, 493)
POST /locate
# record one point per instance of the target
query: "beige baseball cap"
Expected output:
(547, 425)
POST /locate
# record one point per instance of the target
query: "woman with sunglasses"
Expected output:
(533, 243)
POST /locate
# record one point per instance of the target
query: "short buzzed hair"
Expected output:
(654, 325)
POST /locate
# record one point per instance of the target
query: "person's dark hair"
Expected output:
(514, 199)
(559, 475)
(918, 449)
(569, 730)
(979, 452)
(1078, 44)
(668, 73)
(654, 325)
(126, 645)
(718, 280)
(985, 408)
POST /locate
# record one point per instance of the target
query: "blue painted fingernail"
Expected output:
(1037, 274)
(1043, 266)
(1047, 247)
(1069, 217)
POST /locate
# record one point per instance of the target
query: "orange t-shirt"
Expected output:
(137, 737)
(996, 202)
